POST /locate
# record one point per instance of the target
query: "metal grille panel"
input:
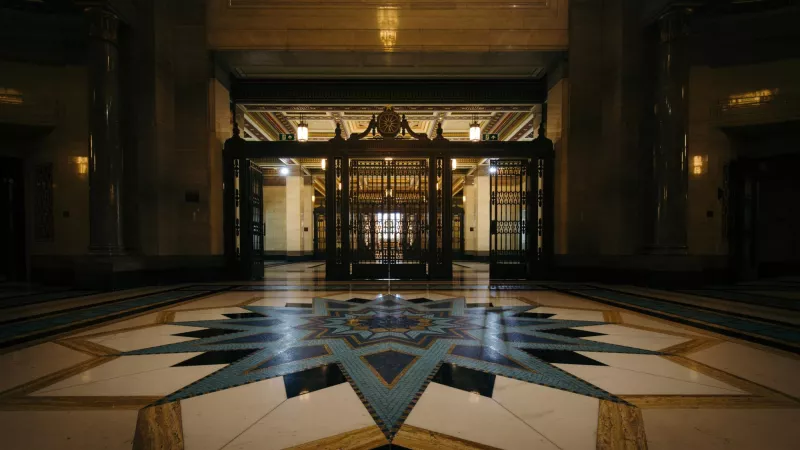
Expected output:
(510, 184)
(388, 218)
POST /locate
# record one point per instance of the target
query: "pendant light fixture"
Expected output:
(302, 130)
(475, 130)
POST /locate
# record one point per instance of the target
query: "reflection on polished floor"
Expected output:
(296, 362)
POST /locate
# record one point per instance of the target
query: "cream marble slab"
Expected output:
(211, 421)
(767, 368)
(421, 294)
(626, 382)
(127, 341)
(218, 300)
(119, 367)
(722, 429)
(280, 302)
(571, 314)
(566, 419)
(556, 299)
(642, 320)
(355, 294)
(67, 430)
(155, 382)
(306, 418)
(147, 319)
(654, 343)
(475, 418)
(288, 295)
(29, 364)
(656, 365)
(207, 314)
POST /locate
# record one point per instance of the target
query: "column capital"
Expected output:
(103, 24)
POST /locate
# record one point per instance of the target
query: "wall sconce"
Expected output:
(313, 198)
(302, 130)
(463, 199)
(82, 164)
(455, 163)
(324, 163)
(699, 165)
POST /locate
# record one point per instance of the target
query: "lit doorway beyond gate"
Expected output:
(389, 223)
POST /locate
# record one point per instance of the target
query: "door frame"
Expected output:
(338, 153)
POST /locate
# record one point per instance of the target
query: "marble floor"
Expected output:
(314, 365)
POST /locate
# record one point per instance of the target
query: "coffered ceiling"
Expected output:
(509, 122)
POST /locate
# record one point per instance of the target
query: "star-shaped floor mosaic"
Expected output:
(388, 348)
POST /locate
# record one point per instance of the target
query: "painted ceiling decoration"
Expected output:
(509, 122)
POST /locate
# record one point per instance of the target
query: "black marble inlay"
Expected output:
(359, 300)
(484, 354)
(250, 315)
(465, 379)
(260, 323)
(561, 357)
(294, 354)
(573, 332)
(388, 303)
(417, 301)
(527, 338)
(479, 305)
(253, 339)
(312, 380)
(207, 333)
(298, 305)
(216, 357)
(530, 315)
(389, 364)
(391, 447)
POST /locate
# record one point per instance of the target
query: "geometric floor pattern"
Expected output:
(470, 368)
(388, 348)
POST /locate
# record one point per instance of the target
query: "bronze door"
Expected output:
(251, 185)
(509, 209)
(388, 218)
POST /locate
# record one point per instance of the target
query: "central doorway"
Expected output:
(389, 218)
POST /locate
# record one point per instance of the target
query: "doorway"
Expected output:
(12, 220)
(389, 222)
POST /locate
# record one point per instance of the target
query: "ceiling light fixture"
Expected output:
(455, 163)
(302, 130)
(475, 130)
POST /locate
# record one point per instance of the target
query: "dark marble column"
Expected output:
(670, 148)
(105, 149)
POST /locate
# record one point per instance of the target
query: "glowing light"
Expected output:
(492, 169)
(750, 98)
(463, 199)
(82, 163)
(699, 164)
(455, 163)
(284, 171)
(324, 163)
(388, 22)
(302, 131)
(475, 132)
(313, 198)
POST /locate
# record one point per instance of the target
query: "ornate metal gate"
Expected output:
(320, 240)
(510, 215)
(458, 232)
(388, 218)
(249, 213)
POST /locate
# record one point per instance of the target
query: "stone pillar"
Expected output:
(294, 212)
(105, 149)
(670, 151)
(483, 218)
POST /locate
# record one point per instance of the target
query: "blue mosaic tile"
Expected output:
(388, 349)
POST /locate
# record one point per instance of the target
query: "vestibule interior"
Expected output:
(293, 208)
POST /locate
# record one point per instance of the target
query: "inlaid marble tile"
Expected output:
(210, 421)
(126, 341)
(306, 418)
(475, 418)
(67, 430)
(568, 420)
(722, 429)
(22, 366)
